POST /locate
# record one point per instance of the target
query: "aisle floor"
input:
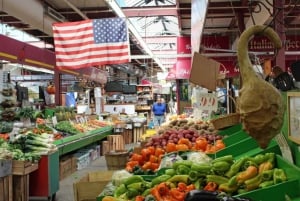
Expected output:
(65, 192)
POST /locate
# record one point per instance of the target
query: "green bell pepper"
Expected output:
(279, 176)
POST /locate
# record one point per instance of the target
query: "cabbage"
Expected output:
(119, 176)
(168, 160)
(198, 157)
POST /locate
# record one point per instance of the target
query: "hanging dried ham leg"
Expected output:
(260, 104)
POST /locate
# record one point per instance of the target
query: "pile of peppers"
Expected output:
(187, 180)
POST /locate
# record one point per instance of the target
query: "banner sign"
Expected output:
(183, 68)
(184, 45)
(215, 42)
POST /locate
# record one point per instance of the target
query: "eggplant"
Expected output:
(201, 195)
(198, 195)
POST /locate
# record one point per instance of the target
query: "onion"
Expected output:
(189, 136)
(175, 140)
(219, 137)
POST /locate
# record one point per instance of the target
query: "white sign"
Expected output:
(54, 120)
(206, 101)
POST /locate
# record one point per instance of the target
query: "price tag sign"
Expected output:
(54, 120)
(206, 101)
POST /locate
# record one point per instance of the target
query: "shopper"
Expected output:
(159, 112)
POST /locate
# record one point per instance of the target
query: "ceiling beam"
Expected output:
(160, 39)
(179, 16)
(151, 11)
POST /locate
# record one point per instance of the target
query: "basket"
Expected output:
(116, 160)
(226, 121)
(222, 74)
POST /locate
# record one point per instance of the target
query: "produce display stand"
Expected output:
(21, 171)
(241, 145)
(44, 182)
(75, 142)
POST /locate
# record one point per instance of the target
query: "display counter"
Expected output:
(129, 108)
(75, 142)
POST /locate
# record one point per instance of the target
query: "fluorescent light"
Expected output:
(116, 8)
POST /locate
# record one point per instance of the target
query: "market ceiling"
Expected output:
(159, 22)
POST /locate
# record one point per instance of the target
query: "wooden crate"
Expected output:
(91, 185)
(127, 136)
(116, 142)
(74, 164)
(105, 147)
(23, 167)
(137, 133)
(65, 167)
(21, 171)
(21, 187)
(6, 188)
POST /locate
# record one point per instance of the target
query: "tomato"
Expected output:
(136, 157)
(147, 166)
(171, 147)
(185, 141)
(153, 159)
(151, 150)
(159, 151)
(50, 89)
(219, 144)
(154, 166)
(182, 147)
(201, 144)
(146, 153)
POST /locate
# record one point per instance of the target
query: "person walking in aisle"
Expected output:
(159, 111)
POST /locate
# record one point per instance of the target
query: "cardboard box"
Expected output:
(91, 185)
(204, 72)
(65, 167)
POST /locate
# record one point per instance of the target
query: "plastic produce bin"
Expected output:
(279, 192)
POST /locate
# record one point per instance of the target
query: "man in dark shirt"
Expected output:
(159, 112)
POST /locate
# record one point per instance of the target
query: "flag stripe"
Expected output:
(112, 60)
(88, 56)
(100, 50)
(91, 42)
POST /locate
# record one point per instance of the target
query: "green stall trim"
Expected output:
(75, 142)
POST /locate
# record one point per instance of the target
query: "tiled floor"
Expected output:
(65, 192)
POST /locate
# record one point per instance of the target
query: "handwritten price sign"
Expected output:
(206, 101)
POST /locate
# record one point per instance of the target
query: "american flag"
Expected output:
(89, 43)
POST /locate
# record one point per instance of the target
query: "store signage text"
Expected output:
(292, 43)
